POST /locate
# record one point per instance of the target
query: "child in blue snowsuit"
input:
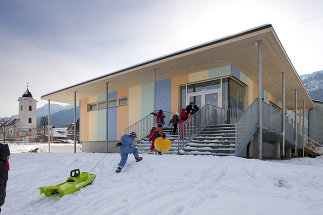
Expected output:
(126, 148)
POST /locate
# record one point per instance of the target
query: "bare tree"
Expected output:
(44, 123)
(4, 127)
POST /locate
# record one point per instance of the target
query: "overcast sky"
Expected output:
(53, 44)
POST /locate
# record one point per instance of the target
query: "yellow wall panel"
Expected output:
(250, 91)
(175, 94)
(93, 121)
(84, 120)
(198, 76)
(122, 114)
(134, 104)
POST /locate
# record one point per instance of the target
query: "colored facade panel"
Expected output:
(163, 95)
(93, 123)
(266, 97)
(122, 114)
(255, 90)
(175, 94)
(250, 93)
(134, 104)
(147, 99)
(101, 120)
(198, 76)
(243, 78)
(84, 118)
(219, 72)
(235, 72)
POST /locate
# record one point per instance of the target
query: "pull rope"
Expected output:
(99, 161)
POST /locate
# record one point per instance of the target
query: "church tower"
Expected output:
(27, 112)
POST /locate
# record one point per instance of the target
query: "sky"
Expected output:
(54, 44)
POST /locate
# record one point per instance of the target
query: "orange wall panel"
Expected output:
(175, 94)
(84, 120)
(255, 90)
(122, 114)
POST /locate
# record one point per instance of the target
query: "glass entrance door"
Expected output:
(208, 97)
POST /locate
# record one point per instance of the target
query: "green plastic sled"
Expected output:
(74, 183)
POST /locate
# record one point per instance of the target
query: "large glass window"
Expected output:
(204, 86)
(183, 97)
(236, 100)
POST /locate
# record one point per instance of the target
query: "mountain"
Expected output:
(43, 111)
(62, 118)
(314, 84)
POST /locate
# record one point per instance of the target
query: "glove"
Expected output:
(119, 144)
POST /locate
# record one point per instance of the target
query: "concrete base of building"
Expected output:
(100, 146)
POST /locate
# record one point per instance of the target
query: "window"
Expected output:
(30, 108)
(111, 103)
(101, 105)
(92, 107)
(123, 101)
(204, 86)
(29, 120)
(21, 107)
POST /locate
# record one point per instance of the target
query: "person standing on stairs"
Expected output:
(159, 133)
(174, 121)
(160, 117)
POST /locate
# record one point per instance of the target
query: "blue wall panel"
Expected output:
(235, 72)
(163, 95)
(112, 119)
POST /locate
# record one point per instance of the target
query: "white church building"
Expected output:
(25, 124)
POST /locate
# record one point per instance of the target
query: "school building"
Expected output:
(247, 80)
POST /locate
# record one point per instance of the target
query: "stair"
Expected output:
(213, 140)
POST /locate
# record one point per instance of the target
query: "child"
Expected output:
(159, 133)
(4, 168)
(160, 117)
(184, 115)
(126, 148)
(152, 138)
(174, 121)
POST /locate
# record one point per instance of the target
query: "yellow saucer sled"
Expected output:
(162, 145)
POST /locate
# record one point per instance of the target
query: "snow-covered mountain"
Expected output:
(43, 111)
(314, 84)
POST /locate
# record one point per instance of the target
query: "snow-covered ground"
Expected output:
(167, 184)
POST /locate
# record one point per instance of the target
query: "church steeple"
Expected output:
(27, 92)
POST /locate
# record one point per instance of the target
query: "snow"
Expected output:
(166, 184)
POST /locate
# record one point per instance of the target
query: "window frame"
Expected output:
(98, 104)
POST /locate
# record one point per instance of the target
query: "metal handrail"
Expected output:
(312, 145)
(196, 123)
(143, 126)
(246, 126)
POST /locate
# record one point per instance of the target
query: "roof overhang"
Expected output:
(239, 50)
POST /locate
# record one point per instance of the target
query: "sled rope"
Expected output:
(99, 162)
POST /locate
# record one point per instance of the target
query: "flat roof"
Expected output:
(238, 50)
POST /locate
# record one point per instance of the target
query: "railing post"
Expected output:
(303, 129)
(283, 116)
(296, 132)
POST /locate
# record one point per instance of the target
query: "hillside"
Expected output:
(62, 118)
(166, 185)
(314, 84)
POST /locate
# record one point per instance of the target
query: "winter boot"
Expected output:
(118, 170)
(138, 158)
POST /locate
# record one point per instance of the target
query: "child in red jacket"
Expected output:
(160, 117)
(152, 138)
